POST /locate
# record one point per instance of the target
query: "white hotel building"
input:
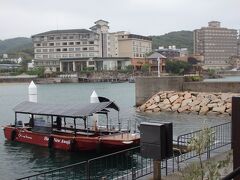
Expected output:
(76, 49)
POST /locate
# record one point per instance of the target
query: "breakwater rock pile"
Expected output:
(190, 102)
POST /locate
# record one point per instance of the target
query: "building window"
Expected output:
(84, 54)
(51, 56)
(85, 49)
(64, 43)
(51, 38)
(58, 44)
(78, 43)
(91, 42)
(45, 50)
(71, 55)
(38, 50)
(58, 38)
(71, 43)
(91, 55)
(71, 37)
(91, 48)
(77, 49)
(51, 50)
(78, 55)
(44, 44)
(64, 49)
(84, 42)
(65, 55)
(90, 63)
(51, 44)
(58, 50)
(70, 49)
(37, 56)
(64, 37)
(38, 44)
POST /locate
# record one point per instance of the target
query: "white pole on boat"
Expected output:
(32, 92)
(94, 99)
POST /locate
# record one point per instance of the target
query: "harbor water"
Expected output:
(18, 160)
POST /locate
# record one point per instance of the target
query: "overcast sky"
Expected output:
(145, 17)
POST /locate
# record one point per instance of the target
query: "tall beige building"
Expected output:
(84, 45)
(238, 44)
(216, 44)
(134, 46)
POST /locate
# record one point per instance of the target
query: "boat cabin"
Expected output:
(72, 119)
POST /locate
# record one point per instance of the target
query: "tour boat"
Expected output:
(70, 127)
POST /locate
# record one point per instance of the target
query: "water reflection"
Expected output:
(18, 159)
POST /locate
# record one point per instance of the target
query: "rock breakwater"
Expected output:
(190, 102)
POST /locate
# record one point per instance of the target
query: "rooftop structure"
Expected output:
(216, 44)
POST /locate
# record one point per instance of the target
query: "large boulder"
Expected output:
(187, 95)
(204, 102)
(184, 108)
(176, 106)
(212, 105)
(195, 108)
(178, 100)
(186, 102)
(156, 99)
(173, 98)
(163, 96)
(220, 109)
(195, 102)
(153, 106)
(204, 110)
(166, 101)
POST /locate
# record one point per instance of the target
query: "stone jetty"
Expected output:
(190, 102)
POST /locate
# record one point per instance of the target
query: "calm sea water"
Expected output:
(18, 160)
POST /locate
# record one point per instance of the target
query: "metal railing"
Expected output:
(221, 137)
(129, 164)
(74, 171)
(232, 175)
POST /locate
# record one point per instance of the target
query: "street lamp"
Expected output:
(158, 60)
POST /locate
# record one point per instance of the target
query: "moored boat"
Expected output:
(69, 127)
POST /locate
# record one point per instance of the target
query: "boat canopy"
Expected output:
(74, 110)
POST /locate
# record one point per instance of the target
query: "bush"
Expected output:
(178, 67)
(193, 78)
(36, 71)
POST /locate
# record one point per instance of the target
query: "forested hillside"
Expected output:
(17, 47)
(181, 39)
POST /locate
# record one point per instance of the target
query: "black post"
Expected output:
(75, 130)
(52, 123)
(15, 119)
(236, 133)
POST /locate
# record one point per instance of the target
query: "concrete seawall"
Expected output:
(17, 80)
(223, 87)
(145, 87)
(148, 86)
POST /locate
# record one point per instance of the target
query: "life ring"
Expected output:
(72, 145)
(50, 142)
(13, 135)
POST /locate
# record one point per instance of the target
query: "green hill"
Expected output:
(17, 47)
(181, 39)
(15, 44)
